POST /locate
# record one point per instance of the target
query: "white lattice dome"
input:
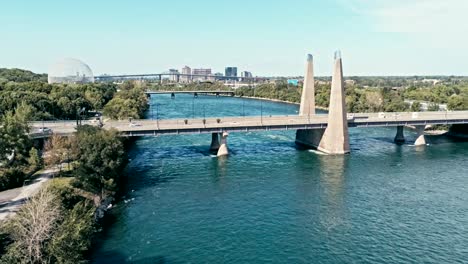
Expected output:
(70, 71)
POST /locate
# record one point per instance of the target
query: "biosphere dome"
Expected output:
(70, 71)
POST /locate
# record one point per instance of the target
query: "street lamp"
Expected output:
(193, 107)
(157, 115)
(243, 108)
(261, 112)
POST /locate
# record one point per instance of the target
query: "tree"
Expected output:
(130, 102)
(457, 102)
(433, 107)
(34, 160)
(55, 151)
(32, 227)
(14, 137)
(101, 159)
(72, 237)
(416, 106)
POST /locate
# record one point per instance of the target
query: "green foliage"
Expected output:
(279, 91)
(101, 159)
(55, 101)
(433, 107)
(416, 107)
(13, 135)
(32, 227)
(457, 102)
(129, 102)
(72, 238)
(18, 75)
(11, 177)
(34, 160)
(55, 226)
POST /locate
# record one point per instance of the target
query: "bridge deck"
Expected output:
(198, 92)
(263, 123)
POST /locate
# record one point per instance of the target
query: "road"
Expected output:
(12, 200)
(257, 123)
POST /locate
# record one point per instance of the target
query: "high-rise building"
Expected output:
(230, 72)
(201, 74)
(246, 74)
(174, 75)
(188, 74)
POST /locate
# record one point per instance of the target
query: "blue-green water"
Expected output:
(269, 202)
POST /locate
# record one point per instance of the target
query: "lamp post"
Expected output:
(243, 108)
(193, 107)
(42, 106)
(261, 112)
(157, 115)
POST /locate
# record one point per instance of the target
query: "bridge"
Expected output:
(146, 127)
(172, 93)
(325, 132)
(176, 76)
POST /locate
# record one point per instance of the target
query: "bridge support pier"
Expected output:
(309, 138)
(223, 149)
(421, 140)
(214, 142)
(400, 137)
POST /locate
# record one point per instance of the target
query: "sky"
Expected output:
(266, 37)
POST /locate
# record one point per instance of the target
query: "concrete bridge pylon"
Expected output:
(223, 149)
(335, 138)
(214, 142)
(307, 106)
(308, 137)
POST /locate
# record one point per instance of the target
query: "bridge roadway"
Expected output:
(159, 75)
(257, 123)
(190, 92)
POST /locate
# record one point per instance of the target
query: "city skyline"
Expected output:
(384, 38)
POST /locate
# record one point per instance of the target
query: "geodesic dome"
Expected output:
(70, 71)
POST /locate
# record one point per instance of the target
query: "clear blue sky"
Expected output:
(376, 37)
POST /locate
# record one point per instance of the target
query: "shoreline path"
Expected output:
(12, 200)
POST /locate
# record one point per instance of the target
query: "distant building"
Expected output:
(433, 81)
(230, 72)
(219, 76)
(174, 75)
(246, 74)
(350, 82)
(201, 74)
(186, 78)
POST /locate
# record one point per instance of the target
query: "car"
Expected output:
(45, 130)
(134, 125)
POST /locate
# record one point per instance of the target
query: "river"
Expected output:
(269, 202)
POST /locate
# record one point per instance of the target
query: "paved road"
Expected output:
(11, 200)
